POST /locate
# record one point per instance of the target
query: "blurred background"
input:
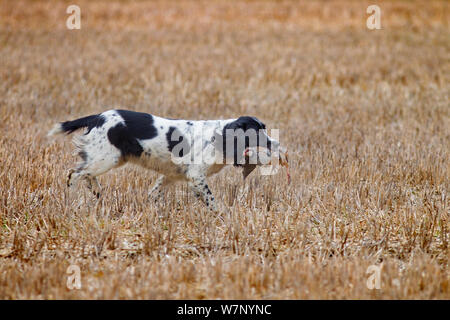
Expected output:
(364, 114)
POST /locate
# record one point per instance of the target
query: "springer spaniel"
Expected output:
(177, 149)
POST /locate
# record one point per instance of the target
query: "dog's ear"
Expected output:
(248, 168)
(240, 127)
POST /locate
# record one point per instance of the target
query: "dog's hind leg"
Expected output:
(94, 166)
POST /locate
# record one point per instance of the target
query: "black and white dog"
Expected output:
(177, 149)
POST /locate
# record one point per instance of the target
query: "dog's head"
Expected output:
(244, 134)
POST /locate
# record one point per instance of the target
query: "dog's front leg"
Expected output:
(156, 191)
(202, 191)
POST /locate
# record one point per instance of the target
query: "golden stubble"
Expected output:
(364, 115)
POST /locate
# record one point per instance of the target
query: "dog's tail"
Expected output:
(71, 126)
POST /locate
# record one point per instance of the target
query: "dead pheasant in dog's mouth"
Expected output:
(284, 162)
(262, 156)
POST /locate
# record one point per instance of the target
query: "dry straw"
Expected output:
(365, 115)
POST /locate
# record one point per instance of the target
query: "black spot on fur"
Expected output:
(121, 137)
(83, 155)
(89, 122)
(243, 124)
(176, 139)
(139, 124)
(189, 123)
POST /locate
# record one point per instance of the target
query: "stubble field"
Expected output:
(364, 114)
